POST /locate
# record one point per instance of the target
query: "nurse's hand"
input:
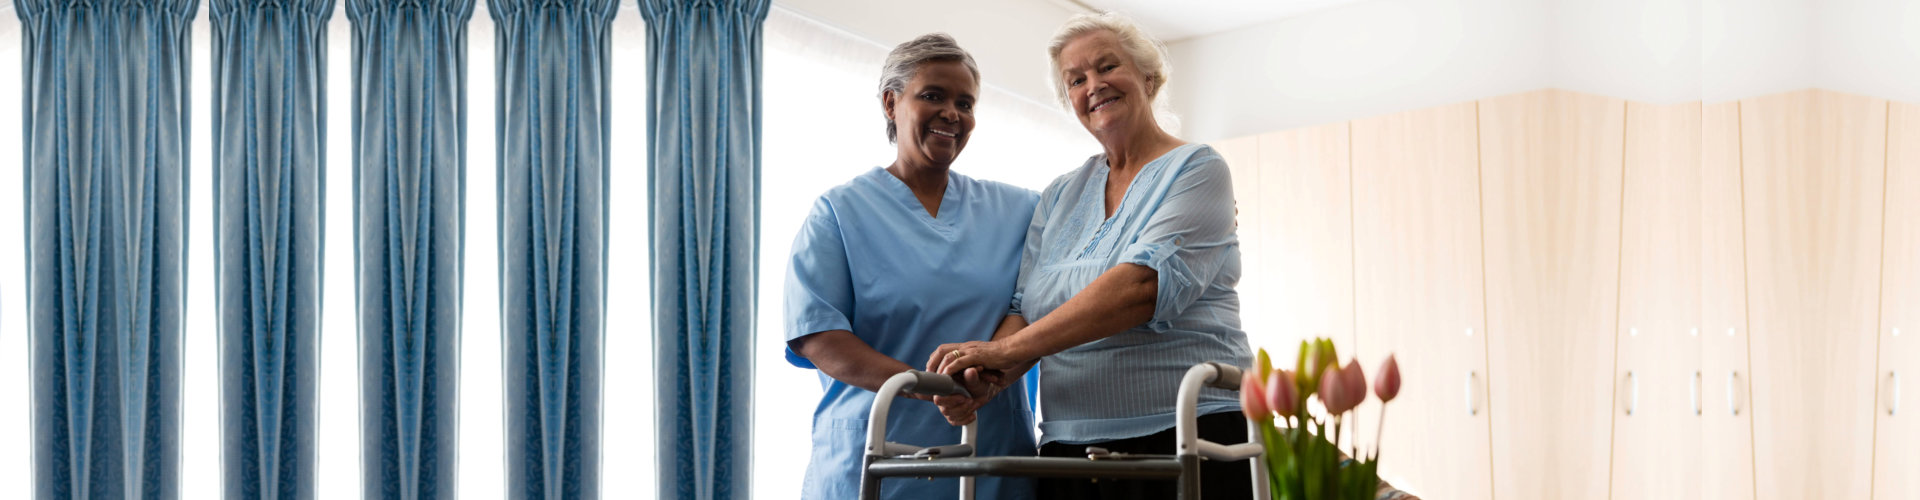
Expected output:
(960, 410)
(952, 358)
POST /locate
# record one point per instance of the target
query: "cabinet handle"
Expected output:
(1894, 407)
(1472, 409)
(1733, 392)
(1693, 391)
(1633, 392)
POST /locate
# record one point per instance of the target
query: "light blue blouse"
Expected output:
(1177, 217)
(870, 260)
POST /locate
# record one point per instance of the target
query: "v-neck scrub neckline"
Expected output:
(949, 200)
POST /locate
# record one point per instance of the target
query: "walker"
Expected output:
(887, 459)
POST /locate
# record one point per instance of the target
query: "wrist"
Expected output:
(1022, 349)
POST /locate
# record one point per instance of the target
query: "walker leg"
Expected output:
(969, 435)
(1189, 477)
(1258, 463)
(869, 484)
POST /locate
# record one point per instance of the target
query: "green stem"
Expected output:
(1379, 431)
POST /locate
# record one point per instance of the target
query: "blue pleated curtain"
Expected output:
(269, 170)
(703, 137)
(105, 116)
(552, 128)
(409, 203)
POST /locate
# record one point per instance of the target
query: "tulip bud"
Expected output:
(1252, 398)
(1281, 393)
(1355, 383)
(1388, 384)
(1264, 363)
(1333, 391)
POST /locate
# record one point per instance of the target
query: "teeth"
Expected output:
(1103, 104)
(945, 133)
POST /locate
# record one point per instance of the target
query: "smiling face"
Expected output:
(1108, 91)
(934, 114)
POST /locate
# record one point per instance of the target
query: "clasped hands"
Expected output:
(984, 368)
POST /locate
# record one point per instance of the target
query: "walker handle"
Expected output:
(1226, 376)
(933, 384)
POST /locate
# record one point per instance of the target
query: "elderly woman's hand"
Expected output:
(951, 359)
(983, 385)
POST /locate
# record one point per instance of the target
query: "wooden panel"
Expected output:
(1306, 237)
(1550, 171)
(1813, 165)
(1896, 458)
(1243, 160)
(1659, 331)
(1727, 424)
(1418, 283)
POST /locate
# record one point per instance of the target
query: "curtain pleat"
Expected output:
(552, 131)
(703, 60)
(269, 170)
(409, 147)
(104, 159)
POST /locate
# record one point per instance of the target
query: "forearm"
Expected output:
(1121, 298)
(846, 358)
(1013, 324)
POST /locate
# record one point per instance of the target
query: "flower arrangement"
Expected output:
(1304, 462)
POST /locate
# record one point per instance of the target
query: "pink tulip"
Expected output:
(1388, 385)
(1355, 384)
(1252, 401)
(1333, 391)
(1281, 393)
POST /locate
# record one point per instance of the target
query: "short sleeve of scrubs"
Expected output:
(819, 291)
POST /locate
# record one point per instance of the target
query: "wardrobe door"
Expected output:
(1243, 162)
(1418, 288)
(1550, 170)
(1896, 450)
(1658, 338)
(1813, 165)
(1726, 437)
(1306, 239)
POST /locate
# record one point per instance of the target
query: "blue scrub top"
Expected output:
(870, 260)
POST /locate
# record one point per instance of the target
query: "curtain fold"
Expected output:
(409, 202)
(104, 169)
(703, 136)
(269, 171)
(552, 132)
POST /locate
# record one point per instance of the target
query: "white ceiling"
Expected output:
(1172, 20)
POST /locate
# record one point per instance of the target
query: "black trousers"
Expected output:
(1218, 480)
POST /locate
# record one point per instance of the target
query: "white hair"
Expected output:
(1147, 52)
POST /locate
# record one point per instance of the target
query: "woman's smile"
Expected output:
(1097, 106)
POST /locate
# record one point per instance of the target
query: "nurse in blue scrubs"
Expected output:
(898, 261)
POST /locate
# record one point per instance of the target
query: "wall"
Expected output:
(1008, 38)
(1641, 50)
(1384, 56)
(1754, 47)
(1867, 47)
(1365, 59)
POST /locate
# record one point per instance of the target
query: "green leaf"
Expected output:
(1303, 378)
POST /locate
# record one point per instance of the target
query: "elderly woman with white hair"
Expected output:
(1127, 278)
(899, 260)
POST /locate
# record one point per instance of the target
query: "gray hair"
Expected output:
(1148, 53)
(906, 58)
